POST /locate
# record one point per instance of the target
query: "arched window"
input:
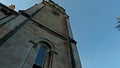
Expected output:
(44, 50)
(41, 57)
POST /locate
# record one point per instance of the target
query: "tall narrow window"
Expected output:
(40, 58)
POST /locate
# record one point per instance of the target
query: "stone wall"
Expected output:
(20, 38)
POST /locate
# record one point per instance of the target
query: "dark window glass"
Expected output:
(39, 61)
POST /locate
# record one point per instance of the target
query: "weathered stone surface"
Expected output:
(22, 37)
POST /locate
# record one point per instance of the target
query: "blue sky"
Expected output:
(92, 23)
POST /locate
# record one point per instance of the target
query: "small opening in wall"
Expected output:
(55, 13)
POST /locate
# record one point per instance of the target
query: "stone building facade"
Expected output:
(39, 37)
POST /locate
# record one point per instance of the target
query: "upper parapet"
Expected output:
(55, 6)
(7, 10)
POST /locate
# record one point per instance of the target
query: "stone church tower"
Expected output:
(39, 37)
